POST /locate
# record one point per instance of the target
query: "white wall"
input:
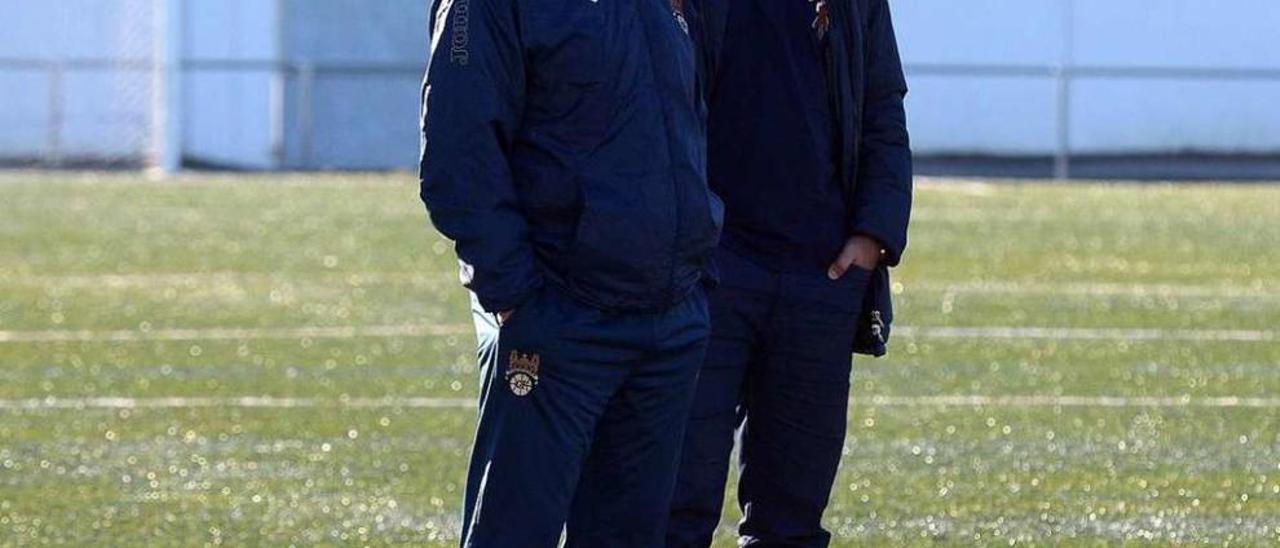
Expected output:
(24, 113)
(359, 120)
(228, 114)
(106, 111)
(1145, 115)
(1015, 114)
(370, 121)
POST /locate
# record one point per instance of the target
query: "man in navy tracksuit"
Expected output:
(809, 150)
(564, 153)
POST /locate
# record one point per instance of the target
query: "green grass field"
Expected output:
(275, 360)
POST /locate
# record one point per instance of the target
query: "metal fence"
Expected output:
(304, 75)
(1065, 76)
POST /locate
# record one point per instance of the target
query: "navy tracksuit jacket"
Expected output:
(563, 153)
(778, 364)
(564, 143)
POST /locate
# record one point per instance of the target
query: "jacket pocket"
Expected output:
(621, 238)
(568, 103)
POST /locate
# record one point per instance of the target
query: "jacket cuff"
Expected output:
(869, 225)
(495, 300)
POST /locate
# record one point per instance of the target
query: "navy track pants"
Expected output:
(582, 413)
(777, 372)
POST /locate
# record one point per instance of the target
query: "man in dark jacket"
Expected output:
(563, 152)
(808, 148)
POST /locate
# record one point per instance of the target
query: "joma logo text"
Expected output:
(458, 41)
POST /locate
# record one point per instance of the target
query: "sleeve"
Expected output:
(472, 101)
(883, 192)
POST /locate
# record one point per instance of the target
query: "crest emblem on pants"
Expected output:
(522, 372)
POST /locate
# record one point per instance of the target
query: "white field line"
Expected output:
(244, 333)
(1070, 401)
(988, 287)
(969, 187)
(421, 330)
(1092, 289)
(1088, 334)
(244, 402)
(259, 402)
(203, 279)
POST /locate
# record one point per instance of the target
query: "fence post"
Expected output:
(1062, 121)
(166, 93)
(306, 111)
(1062, 99)
(57, 113)
(282, 71)
(279, 98)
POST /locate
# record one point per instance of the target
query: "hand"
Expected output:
(861, 251)
(502, 316)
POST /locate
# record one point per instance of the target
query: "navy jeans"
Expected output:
(582, 413)
(777, 372)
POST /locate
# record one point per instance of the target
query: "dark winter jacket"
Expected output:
(564, 142)
(874, 160)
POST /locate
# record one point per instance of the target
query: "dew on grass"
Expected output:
(912, 475)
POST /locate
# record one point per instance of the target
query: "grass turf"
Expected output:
(115, 286)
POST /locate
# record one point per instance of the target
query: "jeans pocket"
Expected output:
(843, 296)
